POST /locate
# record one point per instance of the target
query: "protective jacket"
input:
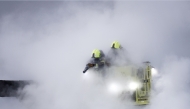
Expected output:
(117, 57)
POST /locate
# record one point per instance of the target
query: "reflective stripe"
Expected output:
(103, 61)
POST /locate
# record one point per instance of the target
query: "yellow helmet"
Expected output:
(96, 53)
(115, 45)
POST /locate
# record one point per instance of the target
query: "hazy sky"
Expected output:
(50, 42)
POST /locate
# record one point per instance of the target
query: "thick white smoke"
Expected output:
(172, 87)
(51, 46)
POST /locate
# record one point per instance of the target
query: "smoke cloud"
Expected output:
(50, 43)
